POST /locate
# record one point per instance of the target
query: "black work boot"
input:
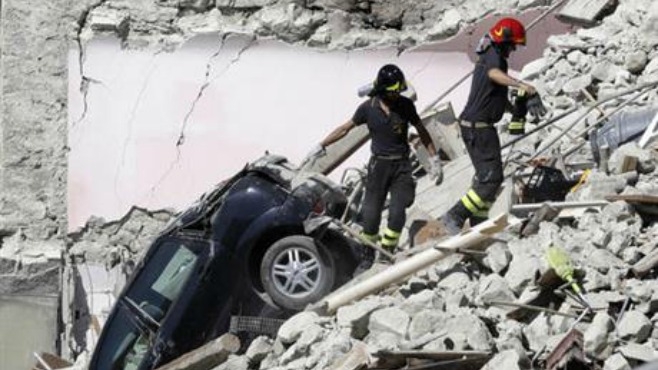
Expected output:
(454, 219)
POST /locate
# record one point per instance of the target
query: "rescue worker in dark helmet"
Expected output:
(387, 115)
(487, 102)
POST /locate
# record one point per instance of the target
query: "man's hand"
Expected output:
(317, 151)
(536, 106)
(436, 169)
(529, 89)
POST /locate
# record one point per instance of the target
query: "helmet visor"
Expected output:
(396, 87)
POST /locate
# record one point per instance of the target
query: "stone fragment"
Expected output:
(258, 349)
(635, 61)
(616, 362)
(533, 69)
(390, 320)
(498, 257)
(447, 26)
(293, 328)
(634, 326)
(638, 352)
(596, 335)
(508, 360)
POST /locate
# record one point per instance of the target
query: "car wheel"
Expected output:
(296, 272)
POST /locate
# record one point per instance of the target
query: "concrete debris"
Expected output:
(440, 310)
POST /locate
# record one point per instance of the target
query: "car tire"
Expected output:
(295, 272)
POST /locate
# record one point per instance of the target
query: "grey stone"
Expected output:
(293, 328)
(533, 69)
(289, 22)
(447, 26)
(575, 85)
(616, 362)
(508, 360)
(356, 316)
(345, 5)
(596, 336)
(594, 280)
(258, 349)
(494, 288)
(390, 320)
(639, 352)
(427, 322)
(522, 272)
(498, 257)
(646, 158)
(636, 61)
(537, 332)
(634, 326)
(605, 71)
(243, 4)
(234, 363)
(427, 299)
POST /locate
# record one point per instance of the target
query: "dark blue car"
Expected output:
(241, 254)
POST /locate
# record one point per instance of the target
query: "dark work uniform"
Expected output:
(389, 168)
(485, 106)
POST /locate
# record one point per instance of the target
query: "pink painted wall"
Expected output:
(263, 96)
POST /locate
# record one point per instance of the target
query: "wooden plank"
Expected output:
(634, 198)
(583, 12)
(433, 355)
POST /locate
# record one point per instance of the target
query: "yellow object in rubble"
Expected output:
(560, 262)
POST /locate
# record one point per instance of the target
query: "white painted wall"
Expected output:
(265, 96)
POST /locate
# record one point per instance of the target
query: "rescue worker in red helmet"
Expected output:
(487, 102)
(387, 115)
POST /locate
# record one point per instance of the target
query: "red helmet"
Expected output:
(508, 30)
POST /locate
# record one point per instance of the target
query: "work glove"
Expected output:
(436, 169)
(535, 106)
(315, 153)
(516, 126)
(519, 111)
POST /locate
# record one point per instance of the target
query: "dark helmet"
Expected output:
(508, 30)
(390, 78)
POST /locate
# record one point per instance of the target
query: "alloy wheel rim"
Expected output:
(296, 272)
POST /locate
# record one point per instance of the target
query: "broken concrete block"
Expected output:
(596, 335)
(634, 326)
(605, 71)
(533, 69)
(234, 363)
(494, 288)
(636, 61)
(575, 85)
(345, 5)
(242, 4)
(426, 322)
(356, 316)
(447, 26)
(258, 349)
(498, 257)
(638, 352)
(537, 332)
(293, 328)
(389, 320)
(616, 362)
(427, 299)
(207, 356)
(522, 271)
(508, 360)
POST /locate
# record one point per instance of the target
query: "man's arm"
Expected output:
(338, 133)
(498, 76)
(425, 137)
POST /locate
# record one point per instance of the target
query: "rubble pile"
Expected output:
(335, 24)
(475, 302)
(117, 241)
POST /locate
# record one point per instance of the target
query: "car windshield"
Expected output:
(138, 315)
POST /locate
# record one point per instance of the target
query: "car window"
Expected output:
(159, 283)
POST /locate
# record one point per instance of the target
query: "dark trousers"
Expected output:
(384, 176)
(483, 146)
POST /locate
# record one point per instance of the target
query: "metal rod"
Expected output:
(532, 308)
(572, 125)
(600, 120)
(529, 207)
(574, 109)
(469, 74)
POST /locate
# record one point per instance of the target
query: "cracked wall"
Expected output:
(36, 37)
